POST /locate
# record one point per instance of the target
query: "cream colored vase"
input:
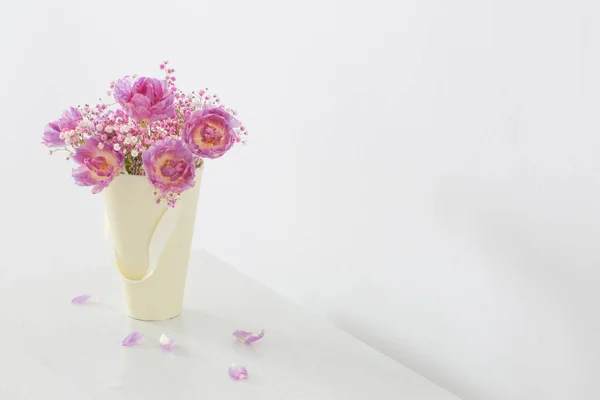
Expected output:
(150, 245)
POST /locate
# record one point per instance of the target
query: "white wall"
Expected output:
(427, 176)
(424, 173)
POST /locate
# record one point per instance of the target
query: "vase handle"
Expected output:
(158, 242)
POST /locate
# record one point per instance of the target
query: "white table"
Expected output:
(55, 350)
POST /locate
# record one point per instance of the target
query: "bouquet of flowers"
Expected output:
(155, 130)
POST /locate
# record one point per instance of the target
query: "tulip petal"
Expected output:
(247, 337)
(134, 338)
(81, 299)
(165, 342)
(238, 372)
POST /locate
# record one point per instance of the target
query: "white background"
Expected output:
(424, 173)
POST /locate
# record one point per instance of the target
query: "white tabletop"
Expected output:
(55, 350)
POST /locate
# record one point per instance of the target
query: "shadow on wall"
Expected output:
(545, 237)
(518, 314)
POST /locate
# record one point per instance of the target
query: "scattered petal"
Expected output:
(80, 299)
(247, 337)
(133, 339)
(165, 342)
(238, 372)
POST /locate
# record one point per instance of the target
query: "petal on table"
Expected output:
(165, 342)
(81, 299)
(248, 337)
(134, 338)
(238, 372)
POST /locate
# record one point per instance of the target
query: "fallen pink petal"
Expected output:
(81, 299)
(165, 342)
(238, 372)
(134, 338)
(247, 337)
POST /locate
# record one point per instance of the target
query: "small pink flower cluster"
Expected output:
(156, 130)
